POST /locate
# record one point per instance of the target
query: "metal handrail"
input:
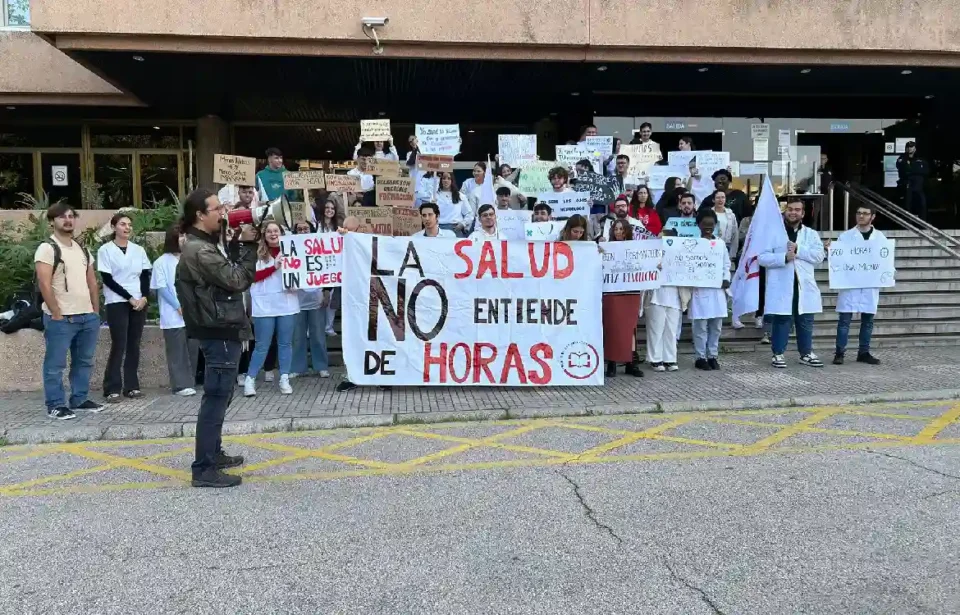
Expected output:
(899, 215)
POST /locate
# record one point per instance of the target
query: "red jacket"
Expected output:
(650, 219)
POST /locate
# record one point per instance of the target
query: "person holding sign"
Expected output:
(642, 209)
(488, 230)
(378, 150)
(663, 313)
(625, 181)
(271, 177)
(858, 300)
(792, 296)
(620, 318)
(575, 229)
(727, 228)
(430, 215)
(456, 214)
(621, 211)
(274, 309)
(310, 326)
(686, 223)
(708, 306)
(736, 200)
(543, 213)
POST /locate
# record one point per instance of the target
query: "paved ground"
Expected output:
(836, 509)
(746, 380)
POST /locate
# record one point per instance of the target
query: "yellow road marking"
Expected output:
(639, 435)
(125, 462)
(934, 427)
(791, 430)
(472, 443)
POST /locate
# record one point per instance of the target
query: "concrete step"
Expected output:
(914, 262)
(824, 325)
(894, 234)
(949, 274)
(891, 297)
(922, 252)
(915, 242)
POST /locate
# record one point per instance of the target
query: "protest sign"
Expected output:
(710, 162)
(534, 176)
(311, 261)
(406, 221)
(303, 180)
(395, 192)
(384, 167)
(517, 150)
(439, 139)
(693, 262)
(569, 155)
(237, 170)
(657, 176)
(642, 158)
(373, 220)
(451, 312)
(375, 130)
(603, 190)
(753, 168)
(542, 231)
(604, 145)
(685, 227)
(435, 163)
(511, 223)
(566, 204)
(342, 183)
(862, 264)
(631, 266)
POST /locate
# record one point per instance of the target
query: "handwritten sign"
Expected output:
(439, 139)
(342, 183)
(311, 261)
(685, 227)
(534, 177)
(517, 150)
(603, 190)
(542, 231)
(375, 130)
(434, 163)
(566, 204)
(631, 266)
(657, 176)
(303, 180)
(862, 264)
(604, 145)
(237, 170)
(642, 157)
(512, 223)
(696, 263)
(395, 192)
(569, 155)
(373, 220)
(384, 167)
(406, 221)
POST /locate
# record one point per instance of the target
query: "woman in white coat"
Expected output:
(863, 301)
(792, 296)
(708, 306)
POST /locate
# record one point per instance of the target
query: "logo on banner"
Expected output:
(579, 360)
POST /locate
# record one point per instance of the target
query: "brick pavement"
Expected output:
(746, 381)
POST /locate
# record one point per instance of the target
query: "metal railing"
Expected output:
(906, 219)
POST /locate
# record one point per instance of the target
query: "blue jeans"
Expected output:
(843, 332)
(221, 360)
(314, 323)
(782, 323)
(706, 337)
(78, 335)
(263, 329)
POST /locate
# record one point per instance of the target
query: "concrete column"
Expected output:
(213, 137)
(547, 138)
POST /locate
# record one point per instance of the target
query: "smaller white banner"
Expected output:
(631, 266)
(566, 204)
(512, 223)
(542, 231)
(692, 262)
(862, 264)
(311, 261)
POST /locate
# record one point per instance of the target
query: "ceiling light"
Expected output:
(138, 58)
(906, 71)
(319, 129)
(11, 108)
(329, 151)
(156, 128)
(928, 97)
(381, 113)
(574, 93)
(602, 67)
(703, 69)
(470, 131)
(805, 71)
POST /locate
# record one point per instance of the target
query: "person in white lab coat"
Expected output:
(792, 296)
(488, 230)
(858, 300)
(708, 306)
(378, 151)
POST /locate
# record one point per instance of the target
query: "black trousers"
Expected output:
(915, 201)
(222, 359)
(126, 329)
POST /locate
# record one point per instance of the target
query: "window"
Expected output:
(16, 13)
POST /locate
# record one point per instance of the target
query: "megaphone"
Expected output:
(278, 210)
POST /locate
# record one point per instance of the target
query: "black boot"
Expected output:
(215, 479)
(633, 369)
(611, 369)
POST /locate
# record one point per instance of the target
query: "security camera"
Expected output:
(373, 22)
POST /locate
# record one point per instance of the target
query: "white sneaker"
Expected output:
(759, 322)
(293, 375)
(811, 360)
(737, 324)
(249, 387)
(778, 361)
(324, 373)
(331, 332)
(268, 376)
(187, 392)
(672, 367)
(765, 339)
(241, 378)
(285, 388)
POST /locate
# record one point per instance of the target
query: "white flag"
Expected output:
(487, 195)
(766, 233)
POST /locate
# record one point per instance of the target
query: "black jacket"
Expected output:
(912, 171)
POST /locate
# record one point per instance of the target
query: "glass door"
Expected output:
(115, 174)
(61, 177)
(160, 178)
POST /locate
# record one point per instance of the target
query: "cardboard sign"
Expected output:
(373, 220)
(862, 264)
(517, 150)
(534, 177)
(395, 192)
(375, 130)
(383, 167)
(434, 163)
(566, 204)
(437, 312)
(542, 231)
(303, 180)
(690, 262)
(406, 221)
(342, 183)
(237, 170)
(312, 261)
(439, 139)
(512, 222)
(631, 266)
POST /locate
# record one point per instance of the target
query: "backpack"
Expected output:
(57, 262)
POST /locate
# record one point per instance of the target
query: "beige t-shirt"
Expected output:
(70, 274)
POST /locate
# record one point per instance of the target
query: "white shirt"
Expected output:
(453, 213)
(125, 269)
(269, 298)
(481, 235)
(666, 296)
(164, 275)
(441, 232)
(781, 272)
(710, 302)
(380, 154)
(366, 180)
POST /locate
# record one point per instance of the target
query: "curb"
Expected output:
(83, 433)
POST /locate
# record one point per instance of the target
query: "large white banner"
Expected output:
(438, 139)
(312, 261)
(512, 222)
(693, 262)
(566, 204)
(861, 264)
(631, 266)
(421, 311)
